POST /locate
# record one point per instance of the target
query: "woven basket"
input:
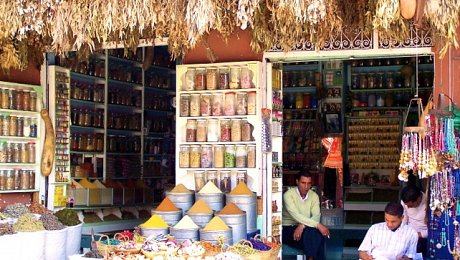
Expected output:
(106, 247)
(275, 246)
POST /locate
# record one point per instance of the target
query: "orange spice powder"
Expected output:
(241, 189)
(231, 209)
(200, 206)
(167, 205)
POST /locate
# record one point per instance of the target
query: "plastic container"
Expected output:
(224, 78)
(246, 78)
(241, 156)
(191, 130)
(217, 103)
(200, 79)
(236, 130)
(195, 104)
(234, 77)
(229, 157)
(225, 130)
(185, 105)
(189, 80)
(211, 78)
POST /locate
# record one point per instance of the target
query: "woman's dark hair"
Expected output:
(410, 194)
(303, 174)
(394, 209)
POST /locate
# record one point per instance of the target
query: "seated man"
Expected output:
(413, 201)
(389, 240)
(301, 216)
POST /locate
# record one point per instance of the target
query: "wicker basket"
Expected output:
(275, 248)
(106, 247)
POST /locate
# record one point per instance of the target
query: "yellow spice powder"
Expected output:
(180, 189)
(85, 183)
(155, 221)
(241, 189)
(216, 223)
(200, 206)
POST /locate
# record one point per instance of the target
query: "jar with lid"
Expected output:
(371, 100)
(371, 80)
(24, 153)
(389, 100)
(246, 131)
(225, 181)
(397, 79)
(206, 156)
(3, 179)
(9, 153)
(195, 105)
(380, 101)
(241, 176)
(241, 156)
(184, 156)
(9, 180)
(205, 104)
(229, 108)
(5, 98)
(3, 151)
(12, 99)
(17, 178)
(241, 103)
(200, 79)
(26, 127)
(236, 130)
(191, 129)
(217, 102)
(6, 125)
(390, 80)
(211, 78)
(25, 179)
(31, 180)
(200, 180)
(299, 100)
(213, 176)
(13, 131)
(229, 160)
(99, 142)
(219, 156)
(234, 77)
(26, 100)
(307, 100)
(354, 80)
(252, 101)
(246, 78)
(16, 153)
(363, 81)
(201, 130)
(31, 150)
(184, 105)
(251, 150)
(33, 101)
(20, 126)
(225, 130)
(302, 79)
(294, 78)
(195, 156)
(20, 100)
(33, 128)
(224, 78)
(213, 130)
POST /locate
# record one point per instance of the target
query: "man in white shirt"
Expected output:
(389, 240)
(413, 201)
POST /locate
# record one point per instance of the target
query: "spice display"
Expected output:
(218, 156)
(217, 103)
(241, 189)
(201, 130)
(195, 104)
(180, 188)
(252, 98)
(229, 157)
(229, 107)
(189, 80)
(205, 105)
(216, 223)
(236, 130)
(185, 105)
(186, 223)
(225, 181)
(184, 156)
(190, 132)
(224, 78)
(195, 156)
(200, 180)
(241, 176)
(213, 130)
(6, 229)
(89, 217)
(251, 150)
(230, 209)
(225, 130)
(234, 77)
(211, 78)
(241, 156)
(209, 188)
(28, 223)
(68, 217)
(51, 222)
(16, 210)
(38, 208)
(200, 206)
(206, 156)
(213, 176)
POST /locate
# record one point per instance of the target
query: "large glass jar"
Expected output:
(229, 108)
(236, 130)
(5, 98)
(213, 130)
(217, 102)
(184, 156)
(371, 80)
(20, 100)
(390, 80)
(9, 153)
(224, 78)
(189, 80)
(24, 153)
(200, 180)
(3, 151)
(354, 80)
(235, 77)
(229, 160)
(211, 78)
(12, 99)
(33, 101)
(13, 126)
(191, 129)
(251, 150)
(206, 156)
(302, 79)
(16, 153)
(200, 79)
(185, 105)
(195, 105)
(100, 143)
(26, 129)
(225, 130)
(6, 125)
(25, 179)
(398, 79)
(241, 103)
(26, 100)
(213, 176)
(219, 156)
(246, 131)
(3, 179)
(241, 156)
(205, 104)
(201, 130)
(225, 181)
(32, 180)
(246, 78)
(294, 78)
(362, 81)
(307, 100)
(252, 105)
(20, 126)
(195, 156)
(10, 180)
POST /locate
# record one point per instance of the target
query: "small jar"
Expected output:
(9, 180)
(225, 181)
(299, 100)
(229, 157)
(307, 100)
(251, 150)
(33, 101)
(302, 79)
(100, 143)
(31, 150)
(195, 156)
(217, 102)
(195, 105)
(13, 131)
(184, 156)
(380, 101)
(234, 77)
(241, 103)
(390, 80)
(17, 178)
(205, 104)
(213, 130)
(20, 100)
(229, 108)
(3, 179)
(246, 78)
(6, 125)
(191, 129)
(185, 105)
(371, 100)
(12, 99)
(241, 156)
(20, 126)
(219, 156)
(31, 180)
(5, 98)
(201, 130)
(200, 180)
(362, 81)
(25, 179)
(26, 102)
(24, 153)
(236, 130)
(213, 176)
(206, 156)
(371, 80)
(224, 78)
(211, 78)
(200, 79)
(189, 80)
(241, 176)
(16, 153)
(225, 130)
(246, 131)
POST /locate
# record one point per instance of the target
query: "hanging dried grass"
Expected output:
(9, 56)
(246, 12)
(200, 18)
(225, 17)
(261, 34)
(391, 26)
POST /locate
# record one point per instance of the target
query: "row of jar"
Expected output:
(87, 117)
(126, 73)
(222, 179)
(299, 101)
(300, 78)
(12, 125)
(123, 121)
(389, 80)
(17, 179)
(153, 80)
(87, 91)
(215, 130)
(94, 67)
(158, 102)
(217, 156)
(87, 142)
(125, 97)
(17, 152)
(123, 144)
(212, 78)
(218, 104)
(18, 99)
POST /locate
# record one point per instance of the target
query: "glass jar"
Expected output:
(246, 131)
(184, 105)
(31, 150)
(371, 80)
(200, 180)
(229, 108)
(99, 142)
(3, 151)
(307, 100)
(33, 128)
(252, 98)
(16, 153)
(9, 153)
(294, 79)
(362, 81)
(20, 100)
(200, 79)
(12, 99)
(213, 176)
(31, 180)
(24, 153)
(195, 105)
(201, 130)
(33, 101)
(246, 78)
(206, 156)
(241, 156)
(236, 130)
(211, 78)
(217, 102)
(191, 129)
(380, 101)
(6, 125)
(251, 150)
(9, 180)
(235, 77)
(241, 176)
(397, 79)
(189, 80)
(302, 79)
(229, 157)
(3, 179)
(25, 179)
(390, 80)
(371, 100)
(26, 100)
(20, 126)
(205, 104)
(224, 78)
(389, 100)
(219, 156)
(184, 156)
(354, 80)
(213, 130)
(299, 100)
(195, 156)
(5, 98)
(241, 103)
(225, 181)
(380, 80)
(13, 131)
(225, 130)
